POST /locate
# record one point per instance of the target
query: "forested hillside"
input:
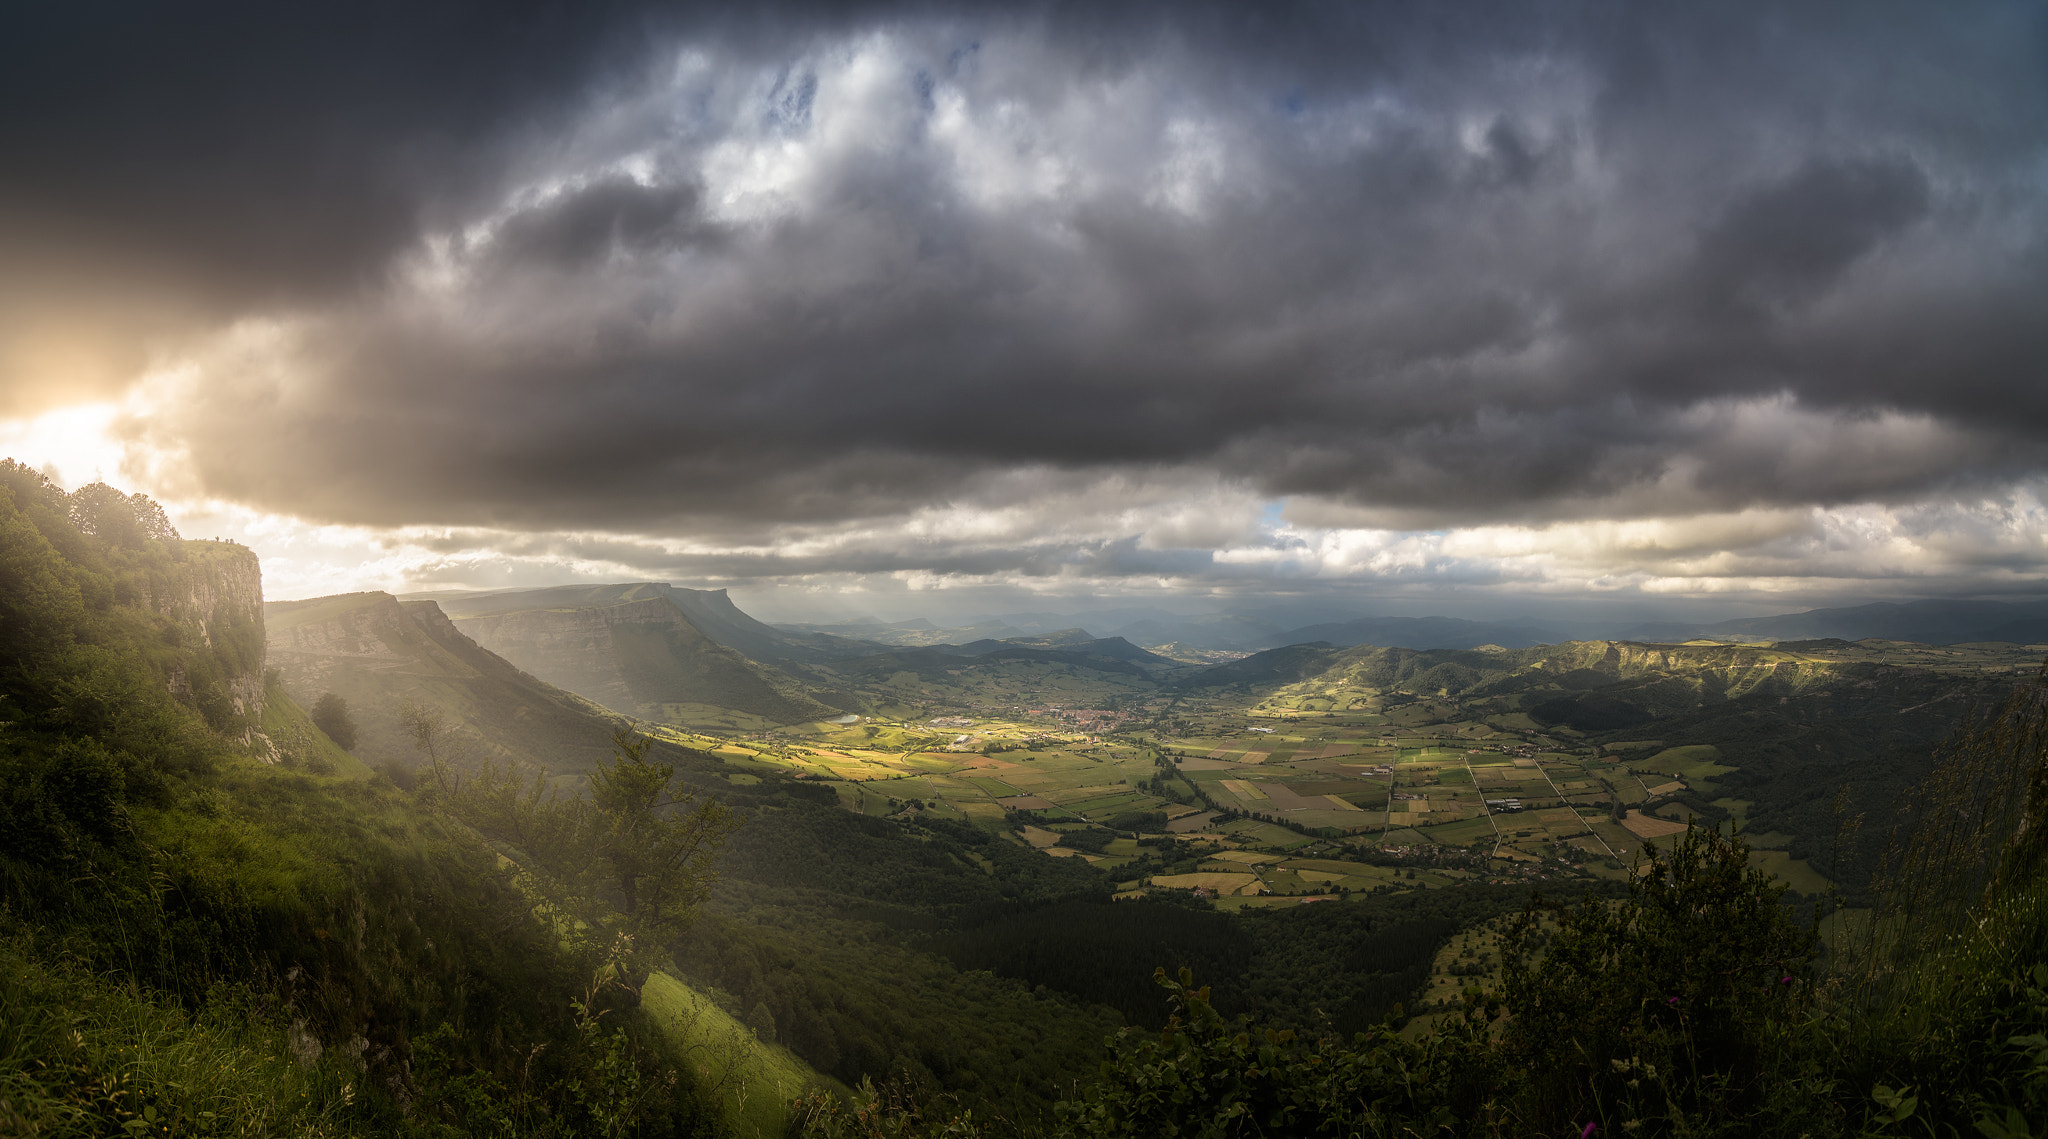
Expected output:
(201, 934)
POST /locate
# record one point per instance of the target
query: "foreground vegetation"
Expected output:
(196, 940)
(1698, 1004)
(1694, 1007)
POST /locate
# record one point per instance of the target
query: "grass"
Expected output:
(752, 1081)
(1693, 761)
(85, 1055)
(282, 716)
(1794, 872)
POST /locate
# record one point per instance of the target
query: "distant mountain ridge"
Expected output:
(1419, 633)
(1930, 622)
(641, 650)
(677, 655)
(915, 633)
(1243, 632)
(711, 611)
(1934, 622)
(377, 652)
(1071, 642)
(1595, 685)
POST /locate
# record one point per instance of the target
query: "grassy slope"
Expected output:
(281, 712)
(377, 654)
(642, 656)
(752, 1081)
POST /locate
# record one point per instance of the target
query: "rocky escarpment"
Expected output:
(379, 653)
(214, 589)
(311, 641)
(710, 611)
(642, 657)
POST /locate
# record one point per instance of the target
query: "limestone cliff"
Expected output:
(710, 611)
(646, 658)
(377, 653)
(216, 590)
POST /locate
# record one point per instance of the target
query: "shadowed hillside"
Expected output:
(633, 650)
(711, 611)
(377, 652)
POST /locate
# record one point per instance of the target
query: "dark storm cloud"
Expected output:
(632, 271)
(616, 216)
(1084, 560)
(196, 159)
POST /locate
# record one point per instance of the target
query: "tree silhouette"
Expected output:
(330, 715)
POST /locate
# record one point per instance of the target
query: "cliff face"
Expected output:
(713, 611)
(378, 653)
(216, 589)
(710, 611)
(575, 648)
(642, 657)
(311, 642)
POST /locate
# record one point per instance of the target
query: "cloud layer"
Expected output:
(859, 291)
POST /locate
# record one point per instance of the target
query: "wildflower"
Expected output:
(1786, 979)
(1672, 1001)
(1586, 1131)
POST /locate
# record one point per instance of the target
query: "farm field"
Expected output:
(1357, 787)
(1325, 804)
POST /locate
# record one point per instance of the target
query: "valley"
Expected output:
(950, 867)
(1316, 773)
(1308, 771)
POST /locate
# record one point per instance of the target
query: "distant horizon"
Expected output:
(1287, 611)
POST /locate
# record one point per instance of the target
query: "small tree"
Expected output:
(658, 847)
(633, 858)
(450, 754)
(330, 715)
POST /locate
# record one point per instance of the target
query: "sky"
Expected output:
(1482, 308)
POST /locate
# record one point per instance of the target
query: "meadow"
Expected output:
(1285, 799)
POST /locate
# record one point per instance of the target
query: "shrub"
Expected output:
(330, 715)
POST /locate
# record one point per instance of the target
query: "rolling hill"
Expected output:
(1416, 633)
(377, 652)
(634, 650)
(711, 611)
(1931, 622)
(1076, 644)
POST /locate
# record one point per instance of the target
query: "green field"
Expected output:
(1421, 767)
(1696, 761)
(752, 1081)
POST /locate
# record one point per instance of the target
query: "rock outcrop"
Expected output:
(216, 590)
(710, 611)
(378, 653)
(643, 657)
